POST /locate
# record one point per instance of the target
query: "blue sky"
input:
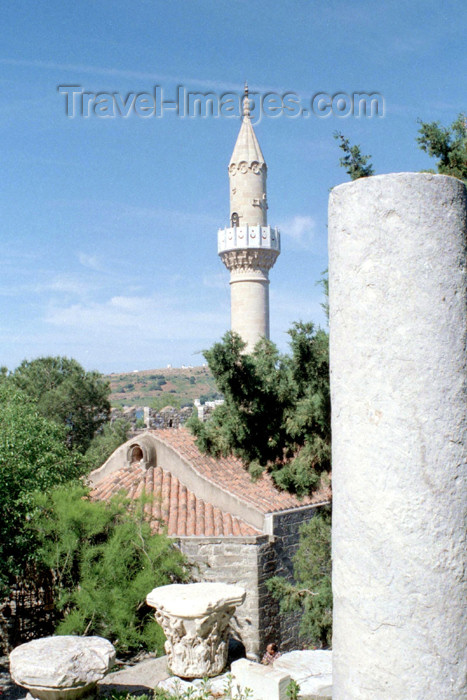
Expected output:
(109, 226)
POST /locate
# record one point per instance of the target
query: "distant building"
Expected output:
(205, 409)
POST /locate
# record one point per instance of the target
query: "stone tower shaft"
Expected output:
(248, 247)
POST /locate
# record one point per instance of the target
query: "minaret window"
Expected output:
(234, 219)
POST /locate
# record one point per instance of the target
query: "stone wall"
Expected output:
(269, 620)
(250, 562)
(232, 561)
(286, 532)
(168, 417)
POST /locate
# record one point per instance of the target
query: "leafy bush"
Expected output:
(355, 163)
(203, 693)
(105, 561)
(292, 691)
(449, 144)
(312, 592)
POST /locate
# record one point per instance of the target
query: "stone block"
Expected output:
(62, 667)
(266, 682)
(311, 669)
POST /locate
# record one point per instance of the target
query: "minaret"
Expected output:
(249, 247)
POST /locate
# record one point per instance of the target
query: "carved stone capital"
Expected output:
(249, 259)
(195, 618)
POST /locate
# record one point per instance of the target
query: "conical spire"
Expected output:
(247, 148)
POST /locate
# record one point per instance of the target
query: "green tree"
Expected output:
(105, 561)
(276, 411)
(33, 457)
(111, 436)
(355, 163)
(449, 144)
(68, 395)
(312, 593)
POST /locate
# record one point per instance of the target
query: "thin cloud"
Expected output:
(67, 284)
(60, 284)
(145, 317)
(300, 230)
(137, 75)
(89, 261)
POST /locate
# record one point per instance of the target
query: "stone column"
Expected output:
(397, 275)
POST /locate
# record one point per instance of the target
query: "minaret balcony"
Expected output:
(246, 236)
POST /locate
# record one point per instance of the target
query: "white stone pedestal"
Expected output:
(195, 619)
(62, 667)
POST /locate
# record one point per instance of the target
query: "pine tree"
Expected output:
(449, 144)
(355, 163)
(276, 411)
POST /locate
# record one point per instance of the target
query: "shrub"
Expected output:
(105, 561)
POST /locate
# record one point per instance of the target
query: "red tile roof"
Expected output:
(229, 474)
(173, 505)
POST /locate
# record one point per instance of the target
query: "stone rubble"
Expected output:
(311, 669)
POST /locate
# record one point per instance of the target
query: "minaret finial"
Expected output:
(246, 102)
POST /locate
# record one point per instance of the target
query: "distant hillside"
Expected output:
(162, 387)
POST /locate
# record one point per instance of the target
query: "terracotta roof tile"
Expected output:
(229, 474)
(172, 504)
